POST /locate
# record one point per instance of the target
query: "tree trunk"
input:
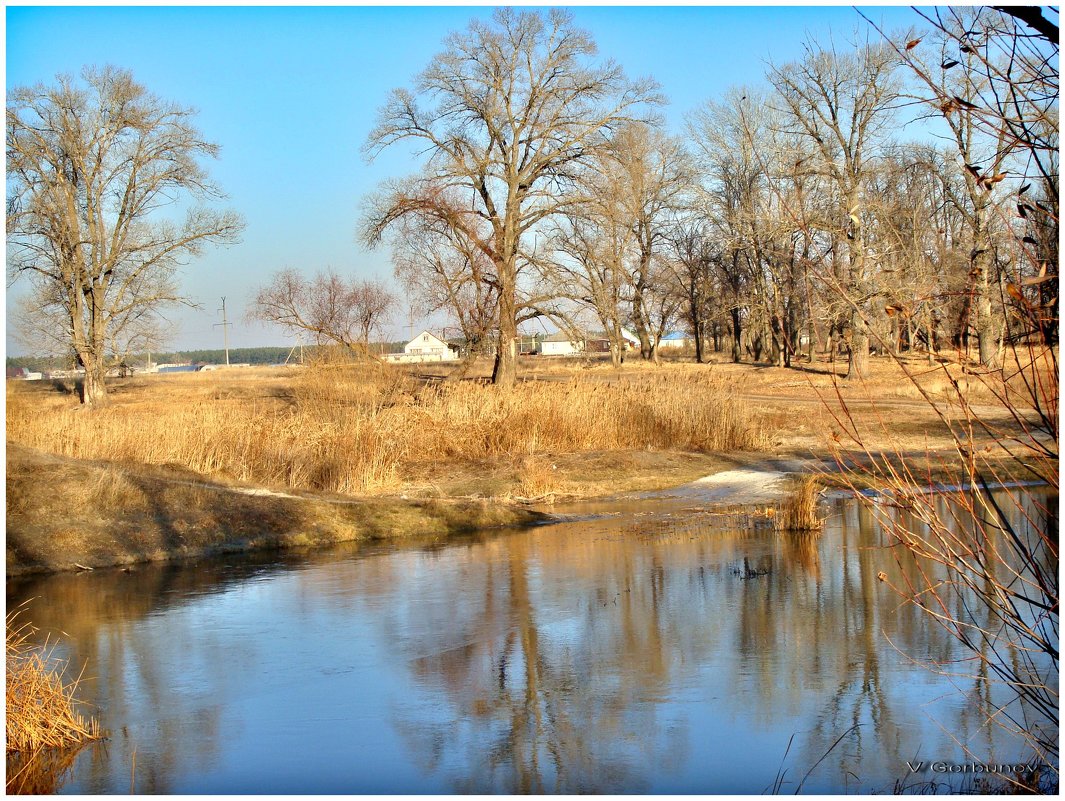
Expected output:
(505, 371)
(756, 347)
(776, 347)
(93, 388)
(737, 331)
(858, 359)
(858, 355)
(986, 324)
(989, 338)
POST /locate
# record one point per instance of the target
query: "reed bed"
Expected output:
(355, 429)
(798, 511)
(41, 707)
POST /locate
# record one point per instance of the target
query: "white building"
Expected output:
(676, 339)
(426, 347)
(560, 344)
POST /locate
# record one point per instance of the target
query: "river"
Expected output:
(647, 649)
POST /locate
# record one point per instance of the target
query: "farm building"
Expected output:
(24, 374)
(562, 344)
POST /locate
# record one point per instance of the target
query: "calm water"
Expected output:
(624, 654)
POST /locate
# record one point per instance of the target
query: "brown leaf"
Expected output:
(1039, 279)
(948, 64)
(964, 103)
(910, 45)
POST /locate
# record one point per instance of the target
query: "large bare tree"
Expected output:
(843, 103)
(93, 166)
(650, 180)
(614, 240)
(506, 113)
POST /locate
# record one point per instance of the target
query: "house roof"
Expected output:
(423, 333)
(673, 336)
(558, 336)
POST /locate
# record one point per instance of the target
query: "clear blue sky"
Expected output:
(291, 93)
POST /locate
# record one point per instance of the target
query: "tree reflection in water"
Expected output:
(652, 655)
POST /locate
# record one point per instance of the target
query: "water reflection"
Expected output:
(638, 654)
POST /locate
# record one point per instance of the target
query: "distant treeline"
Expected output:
(236, 356)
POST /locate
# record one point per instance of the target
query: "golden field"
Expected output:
(369, 428)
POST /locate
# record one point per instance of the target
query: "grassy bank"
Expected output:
(64, 514)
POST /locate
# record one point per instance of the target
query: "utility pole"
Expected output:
(225, 328)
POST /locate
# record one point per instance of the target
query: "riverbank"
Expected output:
(68, 514)
(186, 465)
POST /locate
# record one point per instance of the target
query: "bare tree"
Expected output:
(843, 103)
(91, 167)
(614, 238)
(515, 107)
(692, 262)
(734, 178)
(437, 255)
(650, 179)
(590, 269)
(346, 312)
(986, 78)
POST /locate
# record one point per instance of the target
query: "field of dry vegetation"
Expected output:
(369, 429)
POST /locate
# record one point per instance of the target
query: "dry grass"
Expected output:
(41, 706)
(359, 429)
(64, 513)
(798, 512)
(537, 477)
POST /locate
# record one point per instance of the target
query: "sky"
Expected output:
(290, 94)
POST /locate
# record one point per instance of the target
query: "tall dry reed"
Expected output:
(798, 511)
(354, 429)
(41, 707)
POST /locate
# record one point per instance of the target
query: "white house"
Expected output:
(560, 344)
(426, 347)
(630, 338)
